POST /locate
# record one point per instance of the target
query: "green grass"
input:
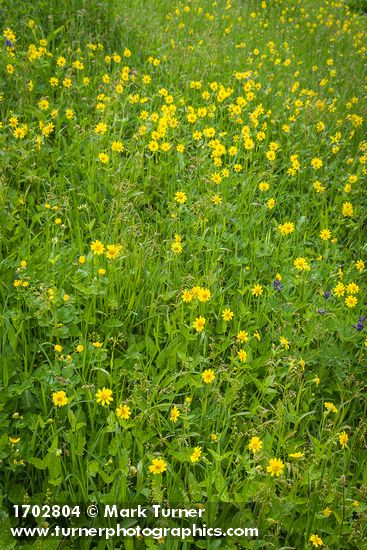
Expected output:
(286, 77)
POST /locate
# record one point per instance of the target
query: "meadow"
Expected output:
(183, 266)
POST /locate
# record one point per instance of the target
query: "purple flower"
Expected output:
(276, 283)
(326, 294)
(360, 325)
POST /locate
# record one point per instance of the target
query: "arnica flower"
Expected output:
(255, 444)
(103, 158)
(227, 315)
(208, 376)
(286, 228)
(325, 234)
(204, 295)
(174, 414)
(59, 398)
(123, 412)
(343, 439)
(351, 301)
(104, 396)
(180, 197)
(199, 324)
(257, 290)
(352, 288)
(196, 454)
(284, 342)
(97, 247)
(187, 296)
(242, 355)
(316, 541)
(113, 251)
(339, 290)
(330, 407)
(275, 467)
(14, 440)
(360, 265)
(296, 455)
(347, 210)
(301, 264)
(158, 466)
(242, 336)
(176, 247)
(327, 512)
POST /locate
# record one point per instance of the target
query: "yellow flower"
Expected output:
(343, 439)
(14, 440)
(360, 265)
(113, 251)
(316, 541)
(204, 295)
(199, 323)
(176, 247)
(296, 455)
(242, 336)
(187, 296)
(301, 264)
(325, 234)
(242, 355)
(270, 203)
(117, 147)
(174, 414)
(347, 209)
(352, 288)
(275, 467)
(97, 247)
(227, 315)
(180, 197)
(351, 301)
(326, 512)
(284, 342)
(104, 396)
(158, 466)
(101, 271)
(196, 454)
(58, 348)
(101, 128)
(216, 199)
(60, 399)
(286, 228)
(208, 376)
(330, 407)
(97, 344)
(255, 444)
(123, 411)
(264, 186)
(316, 163)
(339, 290)
(257, 290)
(79, 348)
(103, 158)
